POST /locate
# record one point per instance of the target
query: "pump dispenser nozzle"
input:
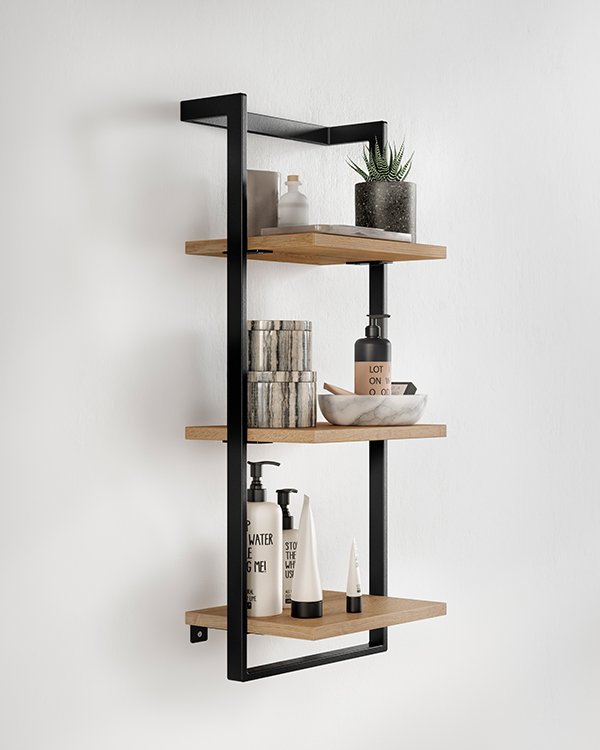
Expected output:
(283, 498)
(373, 330)
(256, 492)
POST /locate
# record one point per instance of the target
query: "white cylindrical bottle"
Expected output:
(290, 545)
(293, 205)
(264, 549)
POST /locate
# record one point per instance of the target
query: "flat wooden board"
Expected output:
(322, 433)
(322, 249)
(378, 612)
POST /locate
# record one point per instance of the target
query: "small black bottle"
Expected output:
(373, 361)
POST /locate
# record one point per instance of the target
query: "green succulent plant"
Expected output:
(381, 167)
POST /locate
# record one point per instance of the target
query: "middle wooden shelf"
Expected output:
(322, 433)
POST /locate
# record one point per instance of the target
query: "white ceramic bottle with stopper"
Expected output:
(293, 205)
(264, 552)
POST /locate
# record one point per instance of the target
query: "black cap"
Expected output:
(283, 498)
(256, 492)
(307, 610)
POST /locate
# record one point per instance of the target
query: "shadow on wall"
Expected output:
(147, 637)
(140, 181)
(171, 364)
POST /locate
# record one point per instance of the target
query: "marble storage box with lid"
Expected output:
(279, 345)
(282, 388)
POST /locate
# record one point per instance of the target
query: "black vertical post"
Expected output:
(378, 475)
(237, 243)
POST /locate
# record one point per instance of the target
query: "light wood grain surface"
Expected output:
(322, 249)
(322, 433)
(378, 612)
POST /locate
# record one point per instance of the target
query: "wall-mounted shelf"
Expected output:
(322, 433)
(378, 612)
(230, 112)
(322, 249)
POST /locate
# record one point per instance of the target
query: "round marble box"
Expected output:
(373, 410)
(279, 345)
(282, 399)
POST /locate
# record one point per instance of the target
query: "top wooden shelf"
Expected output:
(322, 249)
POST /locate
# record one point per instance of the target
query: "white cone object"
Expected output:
(306, 584)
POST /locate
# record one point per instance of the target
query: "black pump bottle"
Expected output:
(373, 361)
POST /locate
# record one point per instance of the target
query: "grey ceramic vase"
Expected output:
(387, 205)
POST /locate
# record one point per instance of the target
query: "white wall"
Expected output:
(113, 341)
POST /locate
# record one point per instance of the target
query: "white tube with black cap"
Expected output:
(307, 594)
(353, 588)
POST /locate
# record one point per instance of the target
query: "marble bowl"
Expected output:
(373, 410)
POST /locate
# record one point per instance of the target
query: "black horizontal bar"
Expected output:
(212, 110)
(278, 127)
(209, 112)
(313, 660)
(361, 131)
(201, 112)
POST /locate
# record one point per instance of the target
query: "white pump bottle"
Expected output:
(264, 553)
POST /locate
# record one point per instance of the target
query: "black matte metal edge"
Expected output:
(361, 131)
(313, 660)
(378, 474)
(210, 111)
(278, 127)
(378, 517)
(237, 430)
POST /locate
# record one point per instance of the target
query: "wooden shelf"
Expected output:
(322, 249)
(378, 612)
(322, 433)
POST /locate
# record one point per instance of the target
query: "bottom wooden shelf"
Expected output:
(378, 612)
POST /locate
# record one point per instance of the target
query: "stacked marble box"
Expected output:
(282, 388)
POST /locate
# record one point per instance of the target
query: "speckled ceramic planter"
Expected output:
(387, 205)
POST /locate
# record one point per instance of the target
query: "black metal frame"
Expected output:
(230, 112)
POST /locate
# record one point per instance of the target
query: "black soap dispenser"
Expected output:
(290, 545)
(373, 361)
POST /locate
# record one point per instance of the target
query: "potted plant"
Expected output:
(385, 200)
